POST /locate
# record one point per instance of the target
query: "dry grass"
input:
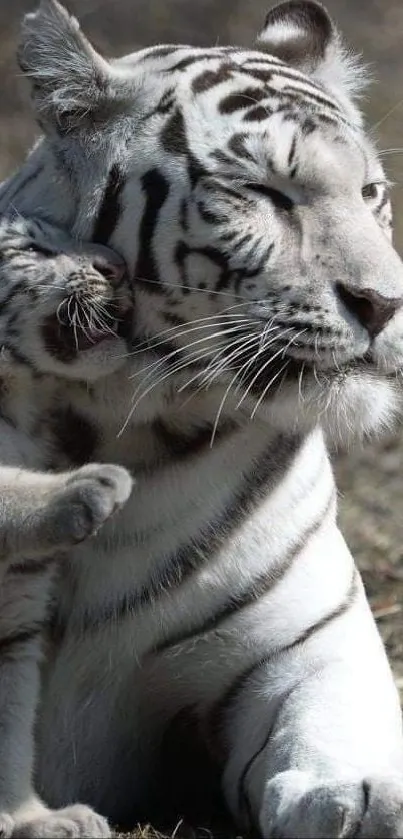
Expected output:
(181, 831)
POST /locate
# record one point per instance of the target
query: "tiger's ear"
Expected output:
(302, 34)
(70, 80)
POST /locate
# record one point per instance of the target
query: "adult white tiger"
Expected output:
(252, 211)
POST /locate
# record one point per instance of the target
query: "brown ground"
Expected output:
(370, 480)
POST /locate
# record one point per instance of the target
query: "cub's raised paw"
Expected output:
(7, 825)
(300, 806)
(77, 822)
(89, 497)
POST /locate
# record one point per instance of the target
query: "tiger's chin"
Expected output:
(349, 405)
(356, 405)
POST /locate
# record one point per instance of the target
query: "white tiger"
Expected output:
(62, 309)
(221, 609)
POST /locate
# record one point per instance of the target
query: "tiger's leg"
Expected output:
(314, 735)
(42, 515)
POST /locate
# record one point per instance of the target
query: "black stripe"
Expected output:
(209, 216)
(355, 829)
(340, 610)
(180, 445)
(237, 146)
(177, 568)
(221, 707)
(385, 200)
(240, 243)
(255, 269)
(221, 157)
(219, 260)
(186, 62)
(260, 587)
(10, 645)
(209, 79)
(228, 236)
(311, 95)
(174, 141)
(237, 196)
(334, 120)
(278, 199)
(183, 215)
(280, 71)
(173, 135)
(20, 358)
(264, 76)
(32, 566)
(161, 52)
(156, 189)
(241, 99)
(109, 211)
(291, 153)
(16, 289)
(165, 104)
(258, 114)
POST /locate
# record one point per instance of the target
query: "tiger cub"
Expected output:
(63, 310)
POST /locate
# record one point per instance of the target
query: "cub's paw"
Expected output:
(88, 498)
(7, 825)
(77, 822)
(299, 806)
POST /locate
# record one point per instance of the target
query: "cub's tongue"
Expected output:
(92, 336)
(65, 341)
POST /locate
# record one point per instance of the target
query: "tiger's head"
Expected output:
(63, 307)
(248, 202)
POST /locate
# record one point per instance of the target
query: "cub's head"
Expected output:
(248, 202)
(64, 307)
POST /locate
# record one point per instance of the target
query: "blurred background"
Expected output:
(370, 478)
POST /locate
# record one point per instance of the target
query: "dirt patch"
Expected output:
(371, 506)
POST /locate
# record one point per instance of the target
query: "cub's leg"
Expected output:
(313, 732)
(42, 515)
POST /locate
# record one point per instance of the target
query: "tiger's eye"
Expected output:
(370, 191)
(279, 199)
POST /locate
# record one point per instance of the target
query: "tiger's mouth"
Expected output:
(263, 376)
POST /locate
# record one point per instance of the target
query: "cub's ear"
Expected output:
(70, 80)
(302, 34)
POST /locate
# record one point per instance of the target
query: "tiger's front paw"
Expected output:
(302, 806)
(75, 822)
(6, 826)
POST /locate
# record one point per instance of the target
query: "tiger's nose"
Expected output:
(371, 309)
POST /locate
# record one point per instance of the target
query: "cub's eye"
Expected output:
(279, 199)
(370, 190)
(42, 251)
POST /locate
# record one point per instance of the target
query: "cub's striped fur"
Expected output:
(58, 310)
(221, 609)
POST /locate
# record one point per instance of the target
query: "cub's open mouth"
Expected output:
(92, 336)
(67, 334)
